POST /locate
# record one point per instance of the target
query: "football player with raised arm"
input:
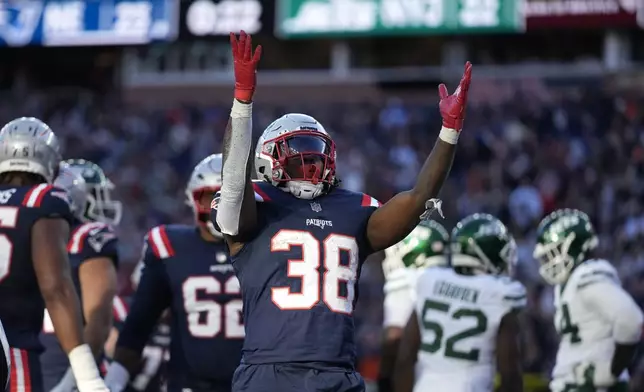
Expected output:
(426, 246)
(298, 240)
(599, 323)
(186, 269)
(465, 325)
(35, 221)
(93, 256)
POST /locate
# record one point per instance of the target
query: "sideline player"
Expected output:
(93, 257)
(34, 228)
(298, 246)
(187, 269)
(465, 322)
(426, 246)
(599, 323)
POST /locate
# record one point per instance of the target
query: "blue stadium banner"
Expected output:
(87, 22)
(345, 18)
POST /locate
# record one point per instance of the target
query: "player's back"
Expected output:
(459, 318)
(20, 208)
(299, 277)
(206, 325)
(87, 241)
(585, 334)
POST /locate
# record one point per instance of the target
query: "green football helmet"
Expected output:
(99, 207)
(563, 240)
(424, 247)
(482, 242)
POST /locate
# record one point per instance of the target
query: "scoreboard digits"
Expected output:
(97, 22)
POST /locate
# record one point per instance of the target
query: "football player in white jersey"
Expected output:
(599, 323)
(465, 323)
(424, 247)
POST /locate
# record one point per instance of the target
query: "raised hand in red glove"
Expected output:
(245, 65)
(452, 107)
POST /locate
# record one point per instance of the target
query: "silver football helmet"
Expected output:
(296, 154)
(205, 177)
(101, 207)
(28, 145)
(76, 187)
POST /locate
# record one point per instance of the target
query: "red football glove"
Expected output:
(245, 65)
(452, 107)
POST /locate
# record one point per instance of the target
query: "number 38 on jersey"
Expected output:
(327, 271)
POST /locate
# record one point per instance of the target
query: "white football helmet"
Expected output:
(76, 187)
(296, 154)
(28, 145)
(205, 177)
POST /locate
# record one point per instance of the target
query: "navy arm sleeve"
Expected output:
(152, 297)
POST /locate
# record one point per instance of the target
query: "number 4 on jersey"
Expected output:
(567, 327)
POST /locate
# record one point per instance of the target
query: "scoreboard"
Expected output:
(87, 22)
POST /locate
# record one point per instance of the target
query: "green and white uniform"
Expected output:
(424, 247)
(593, 311)
(459, 319)
(460, 314)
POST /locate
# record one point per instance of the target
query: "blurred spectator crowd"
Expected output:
(528, 147)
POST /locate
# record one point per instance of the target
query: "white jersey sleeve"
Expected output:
(514, 295)
(600, 290)
(399, 298)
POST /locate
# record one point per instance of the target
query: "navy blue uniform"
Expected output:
(193, 278)
(299, 284)
(156, 352)
(22, 316)
(87, 241)
(5, 360)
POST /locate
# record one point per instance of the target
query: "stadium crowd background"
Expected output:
(532, 143)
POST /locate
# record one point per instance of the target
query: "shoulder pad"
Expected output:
(514, 294)
(368, 201)
(54, 202)
(594, 271)
(94, 234)
(160, 242)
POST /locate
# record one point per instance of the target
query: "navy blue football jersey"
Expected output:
(155, 353)
(20, 208)
(299, 276)
(193, 278)
(87, 241)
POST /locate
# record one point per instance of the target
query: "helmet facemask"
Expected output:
(100, 205)
(199, 200)
(555, 261)
(303, 162)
